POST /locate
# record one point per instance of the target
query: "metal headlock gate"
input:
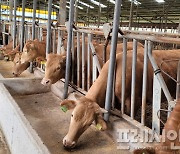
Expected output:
(159, 83)
(85, 55)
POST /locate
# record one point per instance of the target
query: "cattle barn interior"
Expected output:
(89, 76)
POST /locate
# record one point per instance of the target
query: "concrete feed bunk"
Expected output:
(32, 121)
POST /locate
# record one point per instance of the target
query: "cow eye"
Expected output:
(71, 115)
(58, 68)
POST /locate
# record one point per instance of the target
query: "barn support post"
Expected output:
(48, 39)
(158, 74)
(62, 12)
(10, 20)
(99, 14)
(178, 83)
(131, 15)
(144, 88)
(76, 12)
(112, 58)
(34, 19)
(124, 74)
(14, 27)
(133, 83)
(69, 44)
(22, 23)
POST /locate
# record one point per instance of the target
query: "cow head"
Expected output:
(19, 67)
(29, 52)
(84, 113)
(55, 69)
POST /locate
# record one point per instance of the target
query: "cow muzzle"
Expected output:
(15, 74)
(46, 82)
(68, 144)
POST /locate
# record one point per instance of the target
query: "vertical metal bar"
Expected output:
(178, 83)
(14, 27)
(48, 39)
(22, 24)
(89, 62)
(73, 58)
(133, 83)
(41, 34)
(59, 42)
(124, 60)
(4, 35)
(131, 15)
(29, 33)
(68, 54)
(83, 60)
(54, 40)
(34, 18)
(78, 59)
(94, 70)
(144, 89)
(112, 57)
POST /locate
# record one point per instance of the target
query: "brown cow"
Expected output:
(7, 48)
(87, 108)
(18, 68)
(32, 50)
(11, 54)
(52, 74)
(165, 147)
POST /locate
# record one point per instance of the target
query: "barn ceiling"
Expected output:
(148, 11)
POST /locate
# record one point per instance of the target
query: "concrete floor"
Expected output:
(6, 68)
(51, 124)
(3, 146)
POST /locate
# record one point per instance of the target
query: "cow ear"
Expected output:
(100, 123)
(68, 104)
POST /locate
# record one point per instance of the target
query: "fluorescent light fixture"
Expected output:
(55, 6)
(160, 1)
(81, 8)
(135, 2)
(112, 1)
(85, 4)
(97, 3)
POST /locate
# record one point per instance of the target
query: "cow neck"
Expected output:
(97, 92)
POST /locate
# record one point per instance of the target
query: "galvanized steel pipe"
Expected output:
(124, 60)
(34, 19)
(144, 89)
(133, 83)
(112, 57)
(14, 30)
(48, 39)
(22, 23)
(69, 44)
